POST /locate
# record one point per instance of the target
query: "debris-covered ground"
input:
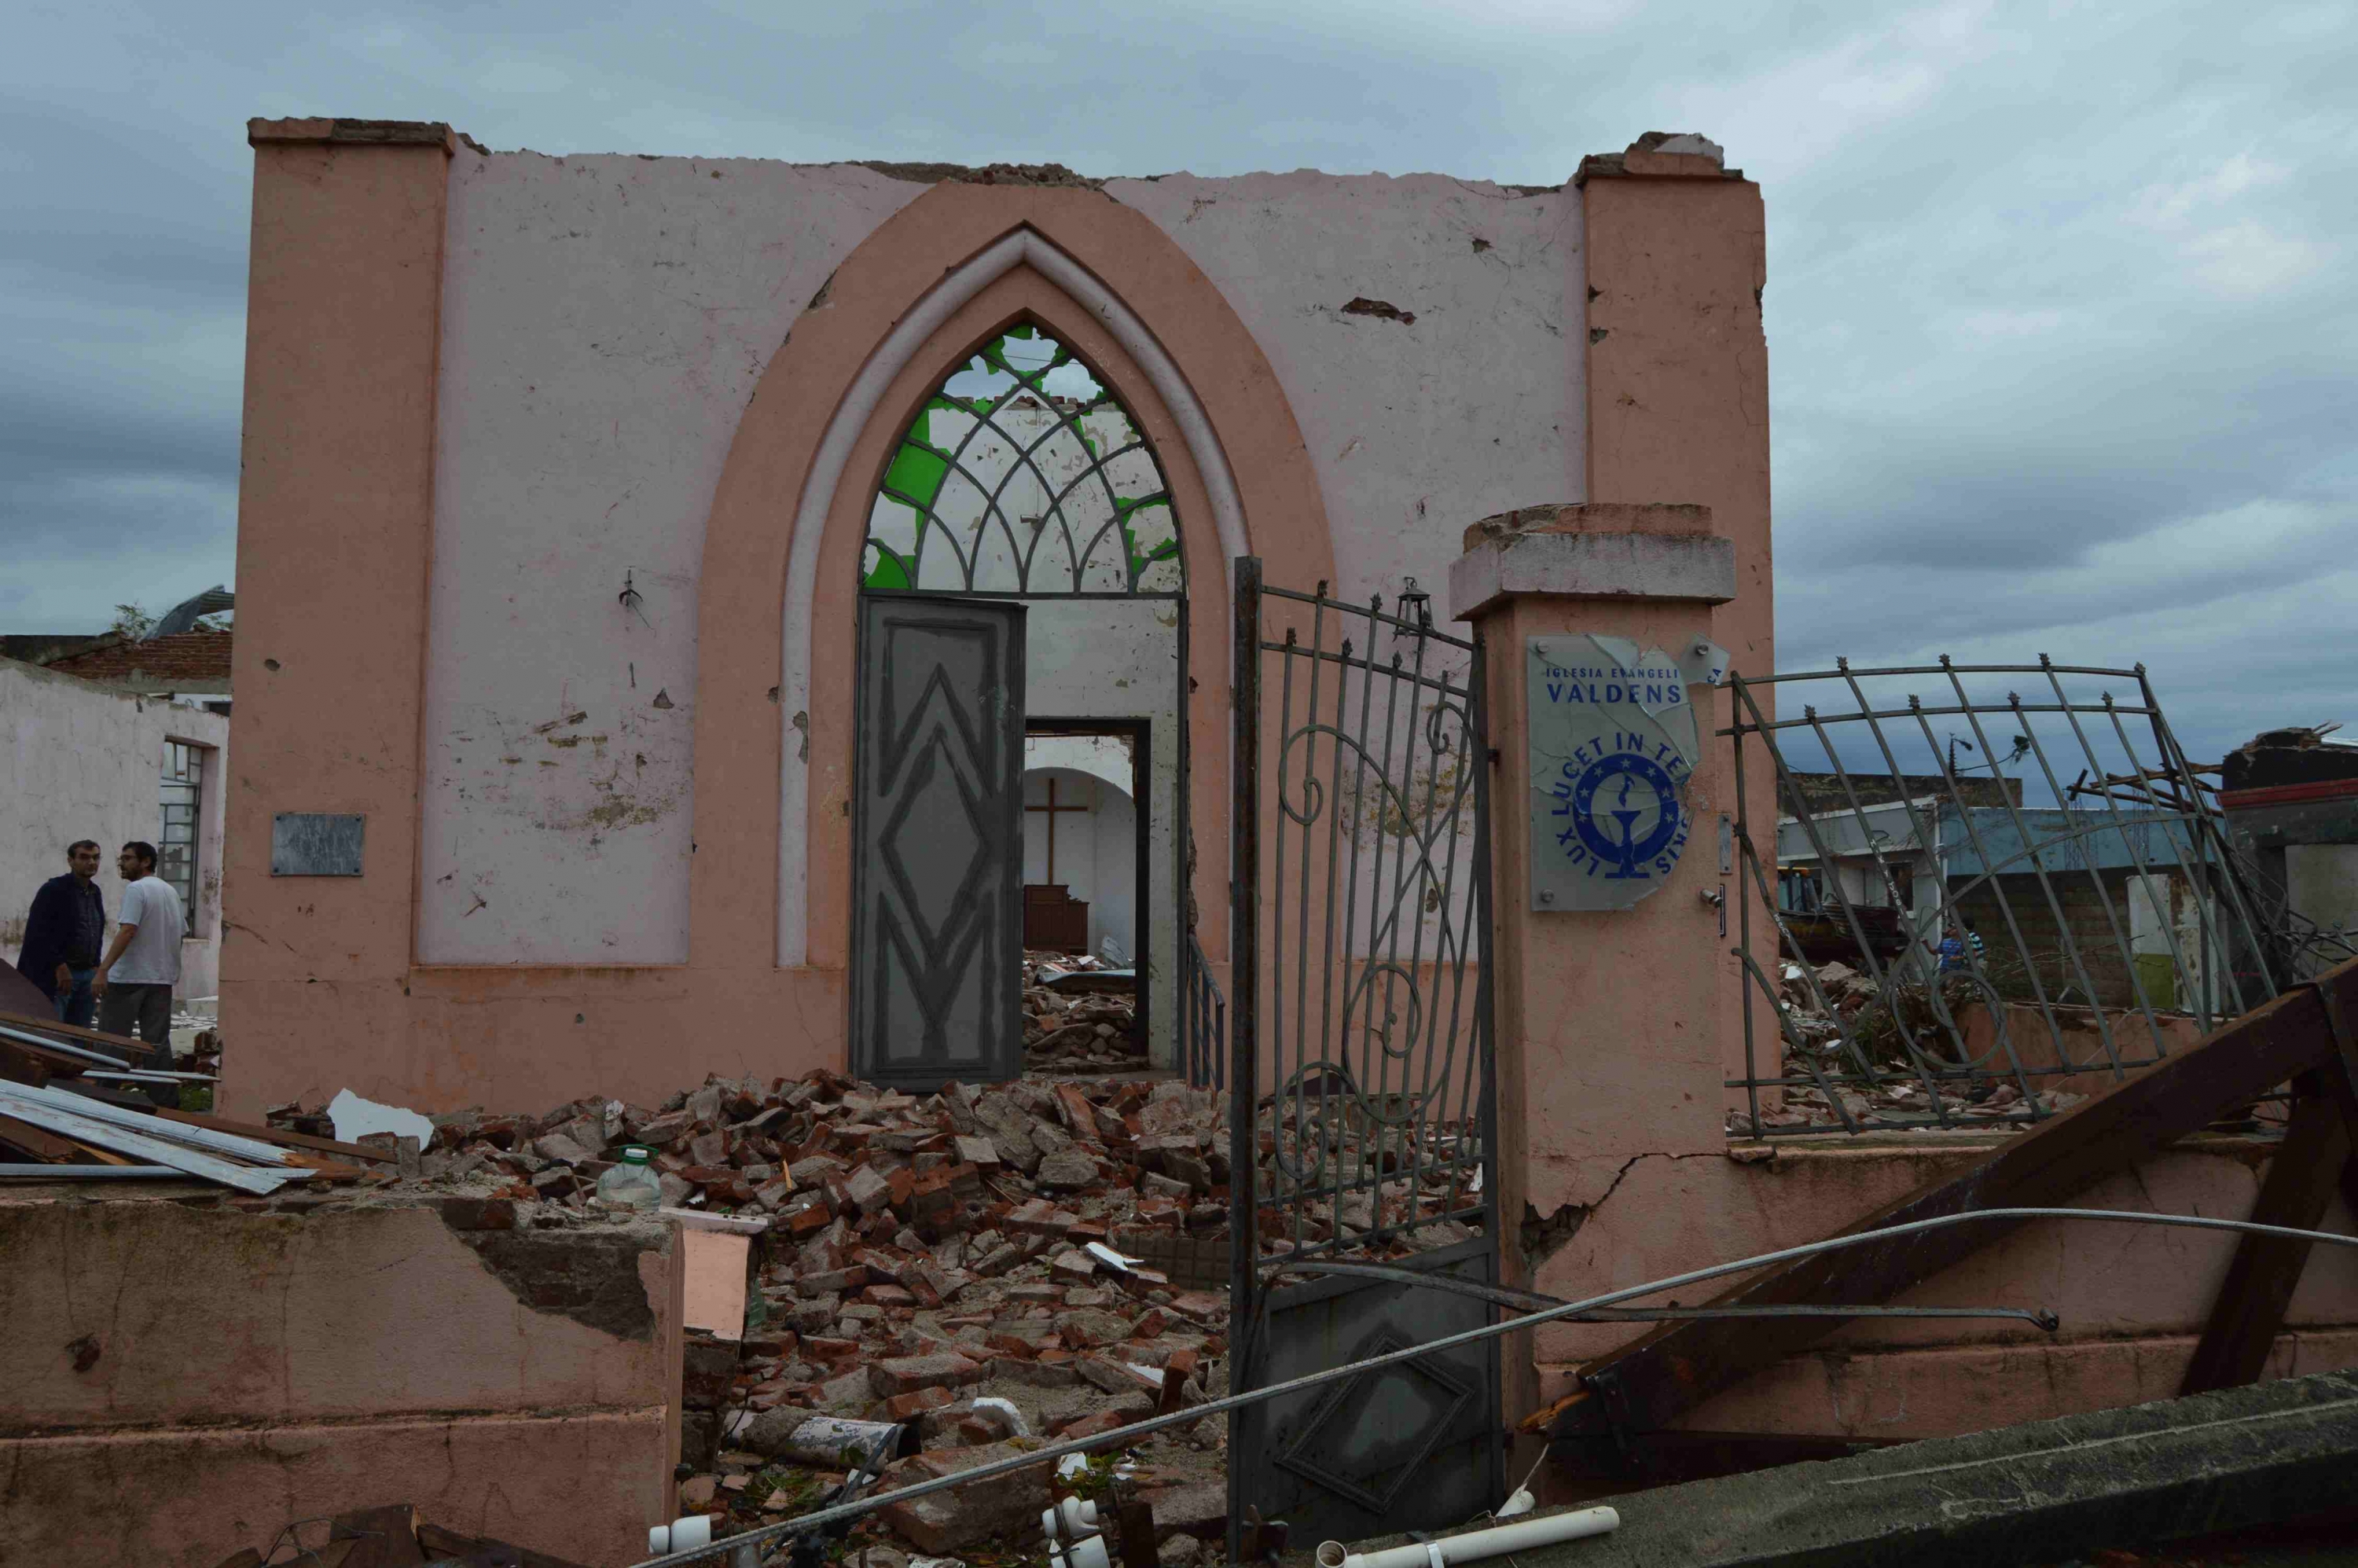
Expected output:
(928, 1260)
(1080, 1015)
(1856, 998)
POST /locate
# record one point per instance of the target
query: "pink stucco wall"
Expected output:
(254, 1367)
(594, 372)
(2132, 1299)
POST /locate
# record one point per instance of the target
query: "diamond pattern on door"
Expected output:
(937, 928)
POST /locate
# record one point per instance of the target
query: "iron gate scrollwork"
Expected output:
(1360, 1061)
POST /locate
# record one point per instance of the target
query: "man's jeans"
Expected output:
(149, 1007)
(75, 1005)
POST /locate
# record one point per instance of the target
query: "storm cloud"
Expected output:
(2060, 319)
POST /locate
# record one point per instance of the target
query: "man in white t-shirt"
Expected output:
(134, 981)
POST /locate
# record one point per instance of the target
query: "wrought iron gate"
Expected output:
(1359, 1061)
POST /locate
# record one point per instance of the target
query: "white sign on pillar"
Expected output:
(1613, 740)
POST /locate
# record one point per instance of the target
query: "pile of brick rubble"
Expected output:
(1816, 1046)
(928, 1260)
(1080, 1015)
(1001, 1267)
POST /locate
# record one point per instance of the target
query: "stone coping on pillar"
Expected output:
(1660, 154)
(1591, 517)
(365, 133)
(1611, 551)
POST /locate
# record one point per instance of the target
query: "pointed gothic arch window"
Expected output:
(1025, 474)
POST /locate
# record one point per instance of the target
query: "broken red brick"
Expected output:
(916, 1403)
(902, 1374)
(1089, 1426)
(867, 1189)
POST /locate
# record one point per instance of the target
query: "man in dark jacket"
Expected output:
(64, 935)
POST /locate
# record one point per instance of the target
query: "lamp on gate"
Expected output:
(1415, 604)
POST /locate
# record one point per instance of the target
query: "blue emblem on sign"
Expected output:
(1617, 796)
(1625, 808)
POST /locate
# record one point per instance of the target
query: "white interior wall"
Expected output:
(1097, 850)
(1116, 659)
(1102, 756)
(1416, 429)
(79, 761)
(604, 320)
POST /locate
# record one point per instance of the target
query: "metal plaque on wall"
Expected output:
(315, 844)
(1611, 743)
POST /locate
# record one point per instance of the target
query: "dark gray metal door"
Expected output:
(1361, 1064)
(938, 894)
(1411, 1446)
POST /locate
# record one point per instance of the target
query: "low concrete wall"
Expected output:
(188, 1372)
(2133, 1299)
(2029, 1041)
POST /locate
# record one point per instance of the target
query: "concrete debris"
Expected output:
(354, 1116)
(1815, 1044)
(2105, 1487)
(1080, 1014)
(974, 1263)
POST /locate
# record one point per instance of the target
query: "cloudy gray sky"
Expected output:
(2063, 339)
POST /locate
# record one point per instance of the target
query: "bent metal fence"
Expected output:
(1975, 894)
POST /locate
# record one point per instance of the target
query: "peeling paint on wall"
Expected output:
(604, 322)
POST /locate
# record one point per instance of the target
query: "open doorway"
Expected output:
(1024, 483)
(1089, 891)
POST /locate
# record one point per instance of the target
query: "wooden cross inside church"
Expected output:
(1052, 919)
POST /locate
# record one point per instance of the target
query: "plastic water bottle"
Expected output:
(631, 1183)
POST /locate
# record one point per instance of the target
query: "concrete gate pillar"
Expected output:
(1606, 1018)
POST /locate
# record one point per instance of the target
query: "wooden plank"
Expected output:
(57, 1063)
(19, 1067)
(2249, 1312)
(50, 1146)
(113, 1044)
(36, 1141)
(145, 1123)
(150, 1151)
(1647, 1384)
(325, 1169)
(280, 1135)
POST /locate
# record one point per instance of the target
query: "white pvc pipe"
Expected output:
(1523, 1535)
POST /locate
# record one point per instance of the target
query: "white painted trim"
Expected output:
(900, 346)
